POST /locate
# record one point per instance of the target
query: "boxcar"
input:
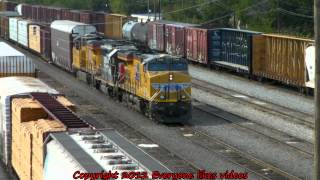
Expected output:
(280, 58)
(4, 27)
(85, 17)
(13, 28)
(23, 32)
(156, 40)
(113, 25)
(232, 49)
(63, 33)
(197, 47)
(75, 15)
(40, 39)
(98, 20)
(35, 13)
(26, 10)
(7, 5)
(53, 13)
(4, 22)
(175, 38)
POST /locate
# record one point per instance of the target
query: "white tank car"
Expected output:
(9, 87)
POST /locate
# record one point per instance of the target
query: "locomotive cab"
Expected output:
(158, 85)
(170, 88)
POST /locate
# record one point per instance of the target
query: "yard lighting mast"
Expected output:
(317, 91)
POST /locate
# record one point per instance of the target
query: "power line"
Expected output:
(293, 13)
(191, 7)
(230, 14)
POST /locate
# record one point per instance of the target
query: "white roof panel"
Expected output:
(7, 50)
(21, 85)
(69, 26)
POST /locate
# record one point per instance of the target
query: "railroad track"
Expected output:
(100, 119)
(176, 163)
(254, 165)
(305, 148)
(238, 156)
(274, 109)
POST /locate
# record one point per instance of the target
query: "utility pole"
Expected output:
(278, 16)
(234, 20)
(148, 9)
(154, 10)
(317, 91)
(159, 1)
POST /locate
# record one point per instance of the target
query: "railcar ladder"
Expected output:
(59, 112)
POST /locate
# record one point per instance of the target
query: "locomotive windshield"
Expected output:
(167, 64)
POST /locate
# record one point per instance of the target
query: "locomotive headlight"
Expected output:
(183, 96)
(170, 77)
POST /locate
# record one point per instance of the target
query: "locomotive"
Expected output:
(156, 84)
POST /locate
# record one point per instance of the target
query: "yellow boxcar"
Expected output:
(113, 25)
(35, 37)
(280, 58)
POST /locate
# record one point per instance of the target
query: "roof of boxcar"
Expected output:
(22, 85)
(65, 25)
(287, 37)
(9, 13)
(7, 50)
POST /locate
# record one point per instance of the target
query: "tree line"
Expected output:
(293, 17)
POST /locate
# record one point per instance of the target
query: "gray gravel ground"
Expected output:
(261, 147)
(260, 117)
(261, 91)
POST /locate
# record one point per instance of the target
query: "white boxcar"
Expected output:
(14, 63)
(23, 32)
(13, 28)
(14, 86)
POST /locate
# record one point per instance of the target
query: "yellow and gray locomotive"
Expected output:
(158, 85)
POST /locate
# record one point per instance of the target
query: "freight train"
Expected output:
(41, 137)
(154, 83)
(258, 55)
(244, 52)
